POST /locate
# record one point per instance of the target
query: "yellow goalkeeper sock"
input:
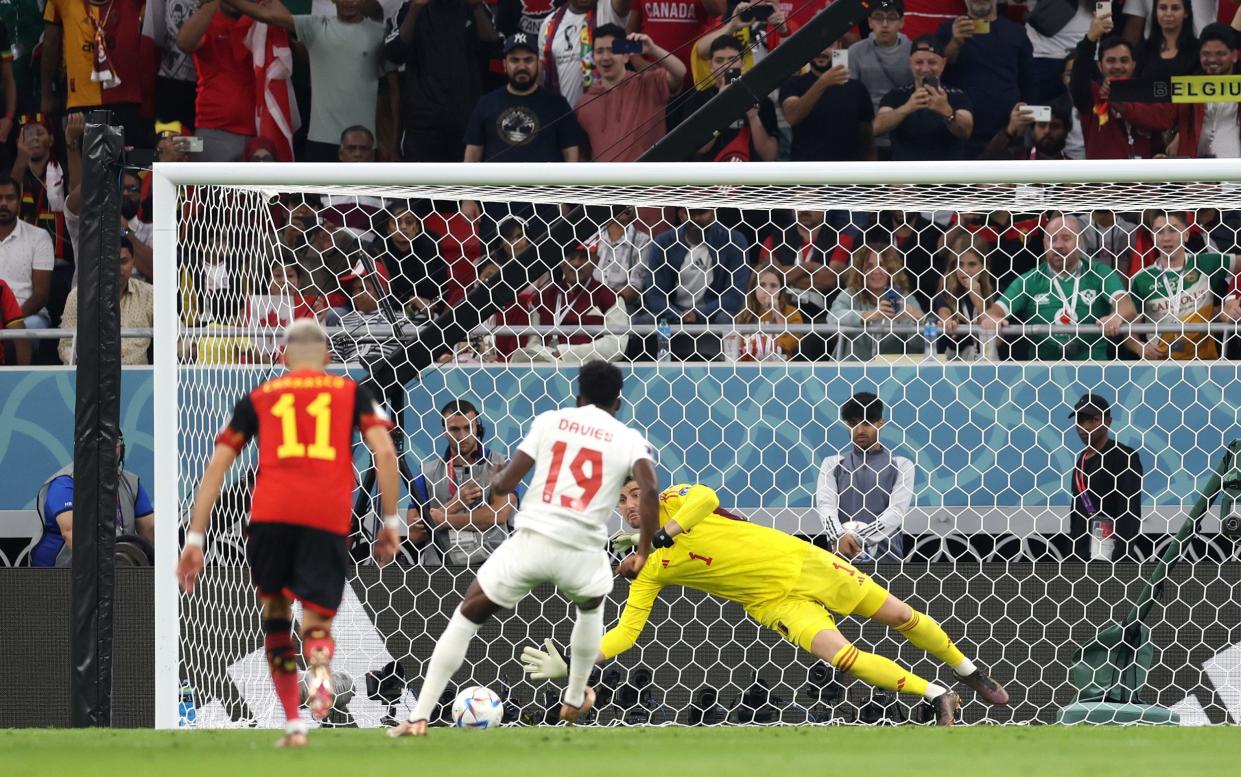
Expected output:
(924, 632)
(883, 673)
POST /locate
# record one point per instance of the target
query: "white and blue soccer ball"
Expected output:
(477, 707)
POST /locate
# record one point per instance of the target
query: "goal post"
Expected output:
(987, 544)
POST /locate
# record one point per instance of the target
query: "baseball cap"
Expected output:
(895, 6)
(520, 40)
(1091, 406)
(928, 43)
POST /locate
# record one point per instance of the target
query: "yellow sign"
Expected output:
(1203, 89)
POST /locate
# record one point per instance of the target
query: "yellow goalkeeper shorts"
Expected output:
(827, 583)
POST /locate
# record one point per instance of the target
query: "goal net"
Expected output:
(745, 304)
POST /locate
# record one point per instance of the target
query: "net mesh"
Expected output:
(744, 317)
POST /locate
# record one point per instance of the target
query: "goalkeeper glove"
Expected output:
(541, 665)
(623, 541)
(662, 540)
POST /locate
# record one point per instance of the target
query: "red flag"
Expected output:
(276, 117)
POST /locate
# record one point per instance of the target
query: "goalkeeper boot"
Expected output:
(571, 715)
(946, 706)
(319, 693)
(991, 692)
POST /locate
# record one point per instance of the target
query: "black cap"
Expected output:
(929, 43)
(1091, 406)
(896, 6)
(521, 40)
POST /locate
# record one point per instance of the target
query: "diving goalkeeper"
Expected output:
(785, 584)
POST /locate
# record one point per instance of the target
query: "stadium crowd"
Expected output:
(359, 81)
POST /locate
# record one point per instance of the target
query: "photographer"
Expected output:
(752, 138)
(466, 526)
(927, 120)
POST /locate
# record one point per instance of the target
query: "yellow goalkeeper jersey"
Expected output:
(722, 556)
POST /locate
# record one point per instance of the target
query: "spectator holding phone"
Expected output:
(876, 289)
(753, 137)
(1102, 58)
(830, 113)
(926, 120)
(1033, 132)
(881, 62)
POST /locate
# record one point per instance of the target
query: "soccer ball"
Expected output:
(477, 707)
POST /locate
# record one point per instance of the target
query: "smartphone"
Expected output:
(931, 82)
(189, 143)
(732, 74)
(1102, 9)
(840, 58)
(1039, 112)
(757, 13)
(624, 46)
(894, 298)
(982, 26)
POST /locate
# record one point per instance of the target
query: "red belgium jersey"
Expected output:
(305, 422)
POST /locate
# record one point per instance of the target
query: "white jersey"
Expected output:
(582, 458)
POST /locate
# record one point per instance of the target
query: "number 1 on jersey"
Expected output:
(589, 482)
(319, 409)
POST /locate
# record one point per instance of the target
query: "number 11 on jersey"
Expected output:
(588, 482)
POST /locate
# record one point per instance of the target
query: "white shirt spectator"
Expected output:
(619, 262)
(1220, 138)
(567, 48)
(695, 277)
(26, 249)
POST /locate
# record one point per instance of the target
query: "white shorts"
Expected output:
(527, 559)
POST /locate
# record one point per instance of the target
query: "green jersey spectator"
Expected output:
(1065, 289)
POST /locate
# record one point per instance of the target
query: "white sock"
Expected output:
(445, 661)
(933, 692)
(965, 668)
(583, 650)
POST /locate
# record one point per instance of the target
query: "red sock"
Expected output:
(282, 660)
(318, 647)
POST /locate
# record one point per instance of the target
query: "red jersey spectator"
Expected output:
(215, 35)
(43, 185)
(811, 255)
(11, 318)
(622, 113)
(575, 298)
(674, 25)
(1108, 135)
(97, 41)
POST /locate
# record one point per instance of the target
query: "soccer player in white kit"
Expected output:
(581, 456)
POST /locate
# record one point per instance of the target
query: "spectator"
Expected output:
(522, 16)
(753, 137)
(451, 492)
(216, 37)
(522, 121)
(990, 59)
(1025, 138)
(175, 85)
(1202, 129)
(966, 293)
(675, 25)
(917, 240)
(322, 251)
(927, 119)
(346, 58)
(864, 493)
(26, 257)
(769, 303)
(373, 323)
(283, 304)
(260, 149)
(223, 308)
(1105, 487)
(1170, 48)
(756, 36)
(132, 209)
(1066, 289)
(24, 23)
(1054, 34)
(1179, 288)
(566, 43)
(875, 289)
(438, 45)
(1109, 239)
(1106, 132)
(411, 255)
(1075, 145)
(620, 257)
(698, 271)
(137, 302)
(622, 112)
(135, 513)
(880, 62)
(8, 83)
(829, 112)
(96, 42)
(573, 299)
(925, 16)
(811, 255)
(43, 186)
(11, 318)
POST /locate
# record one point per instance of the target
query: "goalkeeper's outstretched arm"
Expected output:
(698, 502)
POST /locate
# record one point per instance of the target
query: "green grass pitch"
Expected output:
(843, 751)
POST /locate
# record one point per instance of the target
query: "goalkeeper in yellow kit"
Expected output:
(786, 584)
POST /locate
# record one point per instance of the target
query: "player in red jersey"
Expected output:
(297, 543)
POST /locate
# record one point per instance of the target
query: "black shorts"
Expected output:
(298, 562)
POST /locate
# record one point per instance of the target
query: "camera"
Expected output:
(387, 686)
(732, 74)
(757, 13)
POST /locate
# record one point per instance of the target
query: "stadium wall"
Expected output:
(1022, 620)
(981, 434)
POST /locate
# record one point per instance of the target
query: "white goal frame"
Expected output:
(167, 177)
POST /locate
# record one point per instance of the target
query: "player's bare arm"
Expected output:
(379, 440)
(505, 481)
(191, 563)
